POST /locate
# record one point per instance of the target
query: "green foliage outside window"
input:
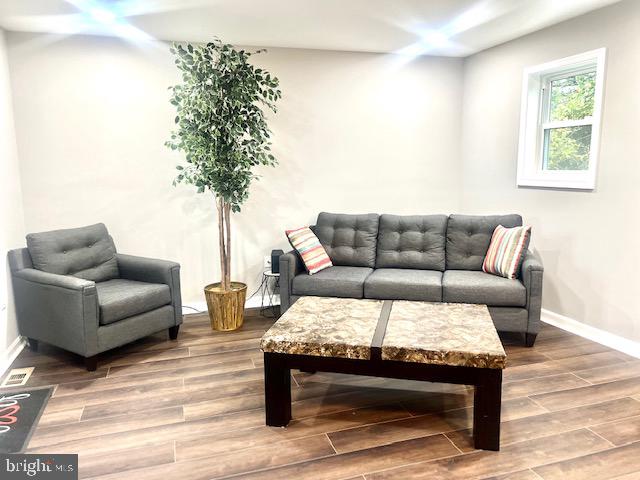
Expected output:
(572, 98)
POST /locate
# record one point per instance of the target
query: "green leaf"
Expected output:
(220, 125)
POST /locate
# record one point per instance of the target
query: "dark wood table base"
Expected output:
(486, 400)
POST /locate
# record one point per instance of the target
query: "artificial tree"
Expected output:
(221, 128)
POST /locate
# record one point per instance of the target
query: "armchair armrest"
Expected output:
(290, 266)
(58, 309)
(154, 270)
(531, 275)
(55, 280)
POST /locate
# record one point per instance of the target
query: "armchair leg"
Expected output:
(173, 332)
(530, 339)
(91, 363)
(33, 344)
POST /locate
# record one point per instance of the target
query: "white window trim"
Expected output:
(533, 105)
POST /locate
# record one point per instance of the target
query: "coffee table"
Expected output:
(435, 342)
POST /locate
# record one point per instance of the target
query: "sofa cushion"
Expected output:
(415, 241)
(459, 286)
(306, 244)
(332, 282)
(506, 251)
(404, 284)
(468, 238)
(350, 240)
(119, 299)
(85, 252)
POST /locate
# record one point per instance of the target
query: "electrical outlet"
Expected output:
(267, 261)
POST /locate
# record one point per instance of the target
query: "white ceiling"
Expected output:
(435, 27)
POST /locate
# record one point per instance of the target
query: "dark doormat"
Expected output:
(20, 411)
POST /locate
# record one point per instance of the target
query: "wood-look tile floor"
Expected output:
(193, 409)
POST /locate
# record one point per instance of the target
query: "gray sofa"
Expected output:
(73, 290)
(434, 258)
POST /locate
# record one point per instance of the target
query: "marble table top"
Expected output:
(325, 326)
(458, 334)
(453, 334)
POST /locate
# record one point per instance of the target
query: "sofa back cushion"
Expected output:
(350, 240)
(85, 252)
(414, 241)
(468, 238)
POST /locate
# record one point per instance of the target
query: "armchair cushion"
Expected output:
(85, 252)
(154, 270)
(119, 299)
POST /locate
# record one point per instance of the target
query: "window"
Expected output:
(560, 122)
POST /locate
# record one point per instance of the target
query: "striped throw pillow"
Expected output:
(506, 251)
(313, 254)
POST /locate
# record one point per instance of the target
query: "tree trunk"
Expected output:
(227, 219)
(223, 259)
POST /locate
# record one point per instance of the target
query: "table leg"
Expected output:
(277, 391)
(487, 404)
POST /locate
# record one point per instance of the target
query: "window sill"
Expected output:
(571, 182)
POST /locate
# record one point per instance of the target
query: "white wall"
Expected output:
(11, 214)
(588, 240)
(354, 133)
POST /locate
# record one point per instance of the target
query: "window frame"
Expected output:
(535, 107)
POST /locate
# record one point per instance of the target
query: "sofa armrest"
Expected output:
(290, 266)
(154, 270)
(531, 276)
(531, 262)
(61, 310)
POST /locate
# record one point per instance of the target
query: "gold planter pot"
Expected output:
(226, 309)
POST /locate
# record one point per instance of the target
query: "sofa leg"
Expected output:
(173, 332)
(33, 344)
(91, 363)
(530, 339)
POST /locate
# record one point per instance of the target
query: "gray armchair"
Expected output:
(73, 290)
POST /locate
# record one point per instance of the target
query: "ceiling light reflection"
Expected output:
(102, 18)
(102, 15)
(431, 40)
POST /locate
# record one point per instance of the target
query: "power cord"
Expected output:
(192, 308)
(248, 298)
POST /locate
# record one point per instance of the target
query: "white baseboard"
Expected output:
(594, 334)
(253, 302)
(7, 357)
